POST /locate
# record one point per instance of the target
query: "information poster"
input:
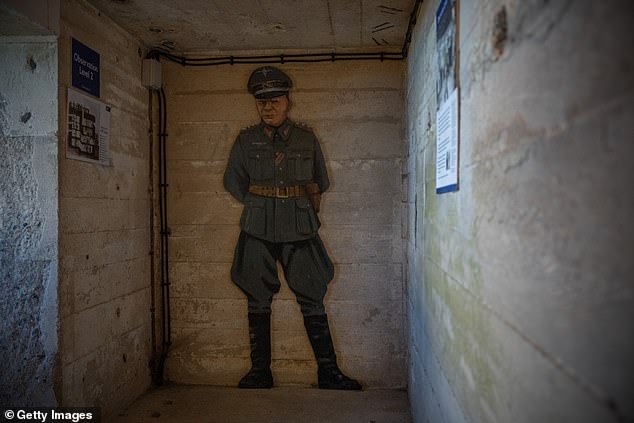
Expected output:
(447, 116)
(447, 145)
(445, 46)
(88, 129)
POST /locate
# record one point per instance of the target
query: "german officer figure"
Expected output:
(277, 170)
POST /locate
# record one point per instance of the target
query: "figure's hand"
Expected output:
(314, 195)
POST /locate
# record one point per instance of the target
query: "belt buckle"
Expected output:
(278, 192)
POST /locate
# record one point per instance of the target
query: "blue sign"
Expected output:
(85, 68)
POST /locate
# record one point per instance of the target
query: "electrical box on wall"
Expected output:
(151, 77)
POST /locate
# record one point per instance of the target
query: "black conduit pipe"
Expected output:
(158, 364)
(410, 28)
(152, 237)
(296, 58)
(281, 58)
(166, 229)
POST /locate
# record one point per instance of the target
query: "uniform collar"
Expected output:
(284, 129)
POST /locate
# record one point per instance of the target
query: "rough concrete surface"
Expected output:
(195, 27)
(29, 223)
(519, 284)
(176, 404)
(104, 229)
(510, 300)
(356, 111)
(29, 18)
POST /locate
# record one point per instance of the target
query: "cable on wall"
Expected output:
(280, 58)
(295, 58)
(158, 362)
(154, 356)
(410, 28)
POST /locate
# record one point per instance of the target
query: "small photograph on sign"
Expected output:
(82, 131)
(88, 129)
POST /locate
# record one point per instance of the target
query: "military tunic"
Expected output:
(278, 229)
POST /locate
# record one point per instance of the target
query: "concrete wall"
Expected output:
(29, 17)
(28, 221)
(104, 229)
(356, 110)
(520, 292)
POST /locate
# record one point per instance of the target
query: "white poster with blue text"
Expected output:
(447, 116)
(447, 145)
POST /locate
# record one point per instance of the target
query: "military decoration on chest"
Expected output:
(279, 157)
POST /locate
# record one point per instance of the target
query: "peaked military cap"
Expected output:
(268, 82)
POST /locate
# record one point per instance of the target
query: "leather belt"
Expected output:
(278, 192)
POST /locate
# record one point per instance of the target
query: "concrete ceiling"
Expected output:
(12, 23)
(220, 26)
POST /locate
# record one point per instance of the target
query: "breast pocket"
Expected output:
(261, 165)
(302, 162)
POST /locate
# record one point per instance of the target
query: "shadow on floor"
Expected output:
(210, 404)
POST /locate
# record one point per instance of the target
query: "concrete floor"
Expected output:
(210, 404)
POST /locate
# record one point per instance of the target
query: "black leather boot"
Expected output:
(328, 373)
(260, 376)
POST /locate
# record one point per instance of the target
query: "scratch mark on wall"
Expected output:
(31, 63)
(500, 32)
(389, 10)
(383, 42)
(361, 25)
(332, 27)
(382, 27)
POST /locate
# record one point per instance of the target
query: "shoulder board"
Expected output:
(249, 128)
(302, 125)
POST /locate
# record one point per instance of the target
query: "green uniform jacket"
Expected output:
(285, 156)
